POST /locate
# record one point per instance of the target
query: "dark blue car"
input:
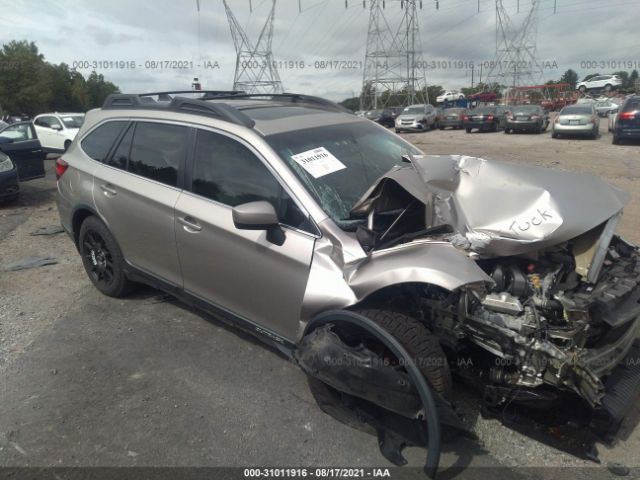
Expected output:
(628, 120)
(21, 158)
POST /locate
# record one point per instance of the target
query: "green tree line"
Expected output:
(31, 85)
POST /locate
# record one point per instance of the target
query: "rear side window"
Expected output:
(98, 143)
(632, 106)
(158, 151)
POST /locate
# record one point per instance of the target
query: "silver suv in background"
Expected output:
(417, 118)
(377, 269)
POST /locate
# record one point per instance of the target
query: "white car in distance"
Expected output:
(449, 95)
(56, 130)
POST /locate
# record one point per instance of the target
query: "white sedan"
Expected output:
(56, 131)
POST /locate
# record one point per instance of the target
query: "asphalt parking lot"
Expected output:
(145, 381)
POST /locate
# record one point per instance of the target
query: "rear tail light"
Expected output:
(490, 117)
(464, 117)
(535, 117)
(61, 167)
(627, 115)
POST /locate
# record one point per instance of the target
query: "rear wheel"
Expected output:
(102, 259)
(607, 87)
(616, 140)
(397, 130)
(554, 135)
(468, 130)
(582, 89)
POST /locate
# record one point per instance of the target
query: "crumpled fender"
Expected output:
(435, 263)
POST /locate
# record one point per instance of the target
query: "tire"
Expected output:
(468, 130)
(102, 259)
(506, 130)
(441, 128)
(607, 87)
(420, 343)
(67, 144)
(494, 127)
(397, 130)
(554, 135)
(615, 140)
(582, 89)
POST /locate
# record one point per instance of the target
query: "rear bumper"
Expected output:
(450, 123)
(587, 129)
(9, 185)
(479, 125)
(529, 125)
(626, 132)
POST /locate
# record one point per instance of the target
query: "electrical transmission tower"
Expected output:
(255, 69)
(393, 69)
(516, 61)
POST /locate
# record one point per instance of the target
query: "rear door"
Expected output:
(20, 142)
(135, 192)
(240, 271)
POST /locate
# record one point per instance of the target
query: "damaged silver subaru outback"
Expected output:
(308, 226)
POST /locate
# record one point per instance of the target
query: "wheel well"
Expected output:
(78, 217)
(400, 297)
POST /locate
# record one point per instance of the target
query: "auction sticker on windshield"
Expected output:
(318, 162)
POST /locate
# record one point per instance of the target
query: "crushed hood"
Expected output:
(498, 208)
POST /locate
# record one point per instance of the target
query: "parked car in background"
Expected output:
(627, 123)
(576, 120)
(21, 158)
(485, 119)
(21, 117)
(383, 117)
(395, 111)
(526, 118)
(605, 107)
(439, 115)
(452, 117)
(605, 82)
(449, 95)
(56, 131)
(483, 97)
(416, 118)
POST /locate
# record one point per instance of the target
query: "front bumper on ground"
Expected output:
(9, 185)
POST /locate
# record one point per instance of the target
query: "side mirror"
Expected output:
(259, 216)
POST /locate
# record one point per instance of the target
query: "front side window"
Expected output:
(226, 171)
(157, 151)
(73, 121)
(98, 143)
(18, 133)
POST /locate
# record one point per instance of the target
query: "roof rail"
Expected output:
(178, 104)
(291, 97)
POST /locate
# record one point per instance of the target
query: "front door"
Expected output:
(240, 270)
(19, 142)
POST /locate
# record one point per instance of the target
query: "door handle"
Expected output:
(190, 224)
(108, 189)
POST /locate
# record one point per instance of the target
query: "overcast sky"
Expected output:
(129, 30)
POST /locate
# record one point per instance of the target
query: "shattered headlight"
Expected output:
(5, 164)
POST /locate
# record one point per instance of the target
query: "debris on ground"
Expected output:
(48, 230)
(30, 262)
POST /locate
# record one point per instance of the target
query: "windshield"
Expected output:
(356, 154)
(576, 111)
(526, 108)
(73, 121)
(483, 110)
(413, 111)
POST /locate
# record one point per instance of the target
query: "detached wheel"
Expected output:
(102, 258)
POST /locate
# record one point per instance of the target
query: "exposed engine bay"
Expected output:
(561, 308)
